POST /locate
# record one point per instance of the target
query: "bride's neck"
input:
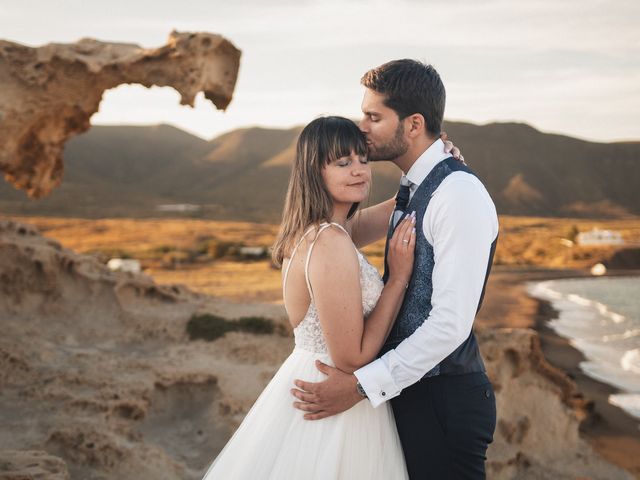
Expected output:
(340, 215)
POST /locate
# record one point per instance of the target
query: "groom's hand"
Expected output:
(323, 399)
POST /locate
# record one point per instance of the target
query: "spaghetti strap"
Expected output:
(286, 270)
(323, 226)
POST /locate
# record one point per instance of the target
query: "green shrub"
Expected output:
(573, 232)
(224, 249)
(105, 254)
(162, 249)
(258, 325)
(210, 327)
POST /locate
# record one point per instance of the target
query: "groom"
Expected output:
(430, 367)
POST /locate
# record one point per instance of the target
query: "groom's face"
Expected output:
(383, 128)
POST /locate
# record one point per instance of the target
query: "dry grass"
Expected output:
(523, 241)
(538, 241)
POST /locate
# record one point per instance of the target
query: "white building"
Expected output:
(124, 265)
(253, 252)
(599, 237)
(178, 207)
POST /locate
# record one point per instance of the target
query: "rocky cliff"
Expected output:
(48, 94)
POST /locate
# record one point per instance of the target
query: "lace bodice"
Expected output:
(308, 333)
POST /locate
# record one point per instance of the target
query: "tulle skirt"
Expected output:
(275, 442)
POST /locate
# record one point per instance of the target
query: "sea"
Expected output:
(601, 318)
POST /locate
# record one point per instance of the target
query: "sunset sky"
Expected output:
(564, 66)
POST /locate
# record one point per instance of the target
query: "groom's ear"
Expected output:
(417, 125)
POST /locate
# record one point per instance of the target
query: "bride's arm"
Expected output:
(334, 273)
(371, 223)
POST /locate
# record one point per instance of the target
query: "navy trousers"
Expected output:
(445, 424)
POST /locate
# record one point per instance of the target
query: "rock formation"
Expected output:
(48, 94)
(539, 414)
(97, 371)
(18, 465)
(96, 367)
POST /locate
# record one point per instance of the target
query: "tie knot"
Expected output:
(402, 198)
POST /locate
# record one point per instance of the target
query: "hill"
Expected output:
(114, 171)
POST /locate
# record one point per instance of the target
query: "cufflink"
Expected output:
(360, 390)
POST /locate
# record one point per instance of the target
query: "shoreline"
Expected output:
(611, 431)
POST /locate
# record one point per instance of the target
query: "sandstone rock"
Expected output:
(539, 414)
(96, 367)
(29, 464)
(48, 94)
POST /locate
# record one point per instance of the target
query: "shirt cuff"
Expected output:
(377, 382)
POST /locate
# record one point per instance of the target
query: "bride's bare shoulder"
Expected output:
(332, 245)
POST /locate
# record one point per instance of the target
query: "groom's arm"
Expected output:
(460, 223)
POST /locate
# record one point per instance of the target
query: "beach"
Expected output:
(611, 431)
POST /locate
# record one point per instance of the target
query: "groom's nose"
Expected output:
(363, 125)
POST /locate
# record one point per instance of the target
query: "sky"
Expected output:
(563, 66)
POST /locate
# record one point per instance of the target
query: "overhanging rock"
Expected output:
(48, 94)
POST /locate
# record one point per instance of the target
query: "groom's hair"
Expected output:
(410, 87)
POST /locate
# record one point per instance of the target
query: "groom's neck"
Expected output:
(416, 148)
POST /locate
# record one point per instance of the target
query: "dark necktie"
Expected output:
(402, 199)
(400, 210)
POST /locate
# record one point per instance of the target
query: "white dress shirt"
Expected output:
(460, 223)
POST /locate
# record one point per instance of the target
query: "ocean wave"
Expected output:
(621, 336)
(601, 308)
(629, 402)
(609, 340)
(546, 290)
(630, 361)
(585, 302)
(543, 289)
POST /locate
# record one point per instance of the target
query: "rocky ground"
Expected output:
(99, 380)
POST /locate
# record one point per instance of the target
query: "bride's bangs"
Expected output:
(343, 137)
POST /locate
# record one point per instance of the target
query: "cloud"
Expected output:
(539, 61)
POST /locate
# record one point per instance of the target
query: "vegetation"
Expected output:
(572, 234)
(210, 327)
(105, 254)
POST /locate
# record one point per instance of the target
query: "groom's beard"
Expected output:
(396, 147)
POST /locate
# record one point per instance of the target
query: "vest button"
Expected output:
(383, 393)
(487, 393)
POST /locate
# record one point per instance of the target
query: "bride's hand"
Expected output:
(449, 147)
(401, 250)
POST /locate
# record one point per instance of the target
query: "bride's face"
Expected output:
(348, 179)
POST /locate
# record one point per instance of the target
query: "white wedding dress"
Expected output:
(275, 442)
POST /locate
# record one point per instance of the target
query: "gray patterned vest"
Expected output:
(417, 302)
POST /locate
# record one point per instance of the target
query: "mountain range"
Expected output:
(117, 171)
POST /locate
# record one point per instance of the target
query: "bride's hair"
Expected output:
(308, 201)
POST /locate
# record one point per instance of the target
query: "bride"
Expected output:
(340, 312)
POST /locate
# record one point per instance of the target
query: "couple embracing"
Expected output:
(386, 380)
